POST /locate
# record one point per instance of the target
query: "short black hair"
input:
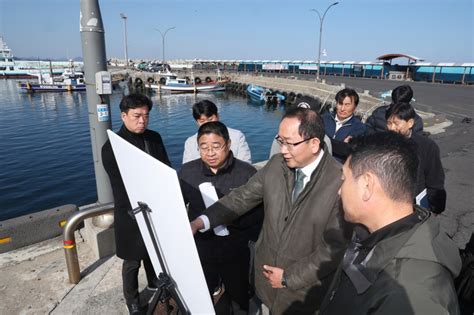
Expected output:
(347, 92)
(402, 94)
(392, 158)
(204, 107)
(403, 111)
(215, 127)
(133, 101)
(311, 123)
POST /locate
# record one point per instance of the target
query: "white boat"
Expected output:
(164, 75)
(11, 68)
(70, 80)
(173, 84)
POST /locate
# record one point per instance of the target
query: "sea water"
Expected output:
(45, 149)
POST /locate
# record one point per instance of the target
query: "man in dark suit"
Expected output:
(130, 247)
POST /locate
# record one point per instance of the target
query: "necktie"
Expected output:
(299, 184)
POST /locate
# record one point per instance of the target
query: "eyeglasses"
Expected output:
(290, 146)
(213, 148)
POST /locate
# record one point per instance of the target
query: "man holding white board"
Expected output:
(130, 247)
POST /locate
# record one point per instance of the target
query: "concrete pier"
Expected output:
(34, 279)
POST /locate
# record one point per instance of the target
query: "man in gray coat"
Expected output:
(303, 234)
(399, 260)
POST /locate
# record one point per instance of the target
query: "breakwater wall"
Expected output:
(319, 90)
(292, 86)
(35, 227)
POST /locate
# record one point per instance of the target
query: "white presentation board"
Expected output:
(149, 180)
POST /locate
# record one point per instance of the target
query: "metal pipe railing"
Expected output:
(69, 243)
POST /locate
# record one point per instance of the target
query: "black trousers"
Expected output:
(130, 278)
(235, 277)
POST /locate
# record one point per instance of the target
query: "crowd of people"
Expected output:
(341, 220)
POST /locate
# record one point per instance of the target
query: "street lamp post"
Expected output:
(321, 20)
(124, 18)
(163, 35)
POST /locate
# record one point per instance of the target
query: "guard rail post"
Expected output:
(69, 243)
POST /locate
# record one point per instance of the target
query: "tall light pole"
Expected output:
(163, 35)
(124, 18)
(321, 20)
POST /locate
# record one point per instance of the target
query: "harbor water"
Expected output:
(45, 148)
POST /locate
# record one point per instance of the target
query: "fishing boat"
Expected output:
(70, 80)
(260, 94)
(173, 84)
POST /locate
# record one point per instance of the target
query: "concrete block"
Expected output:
(33, 228)
(101, 240)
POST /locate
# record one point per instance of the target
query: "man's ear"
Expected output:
(315, 145)
(122, 115)
(367, 182)
(411, 122)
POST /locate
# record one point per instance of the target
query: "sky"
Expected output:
(353, 30)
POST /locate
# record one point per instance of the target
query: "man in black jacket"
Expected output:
(378, 122)
(130, 247)
(224, 253)
(401, 119)
(399, 261)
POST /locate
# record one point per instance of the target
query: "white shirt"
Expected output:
(339, 123)
(309, 169)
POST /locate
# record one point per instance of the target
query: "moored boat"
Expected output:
(10, 68)
(260, 94)
(173, 84)
(70, 80)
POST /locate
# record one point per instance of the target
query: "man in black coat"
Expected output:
(224, 253)
(401, 119)
(130, 247)
(377, 121)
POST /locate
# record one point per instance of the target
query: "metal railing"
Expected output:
(69, 243)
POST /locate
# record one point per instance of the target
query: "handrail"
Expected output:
(70, 250)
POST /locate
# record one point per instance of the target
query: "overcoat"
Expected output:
(128, 240)
(306, 238)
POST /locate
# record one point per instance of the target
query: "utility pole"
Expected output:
(124, 17)
(163, 35)
(321, 20)
(93, 52)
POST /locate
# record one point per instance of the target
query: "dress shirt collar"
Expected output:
(309, 169)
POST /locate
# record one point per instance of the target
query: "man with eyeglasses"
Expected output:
(206, 111)
(224, 252)
(303, 235)
(135, 109)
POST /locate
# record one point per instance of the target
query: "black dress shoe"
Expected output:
(135, 309)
